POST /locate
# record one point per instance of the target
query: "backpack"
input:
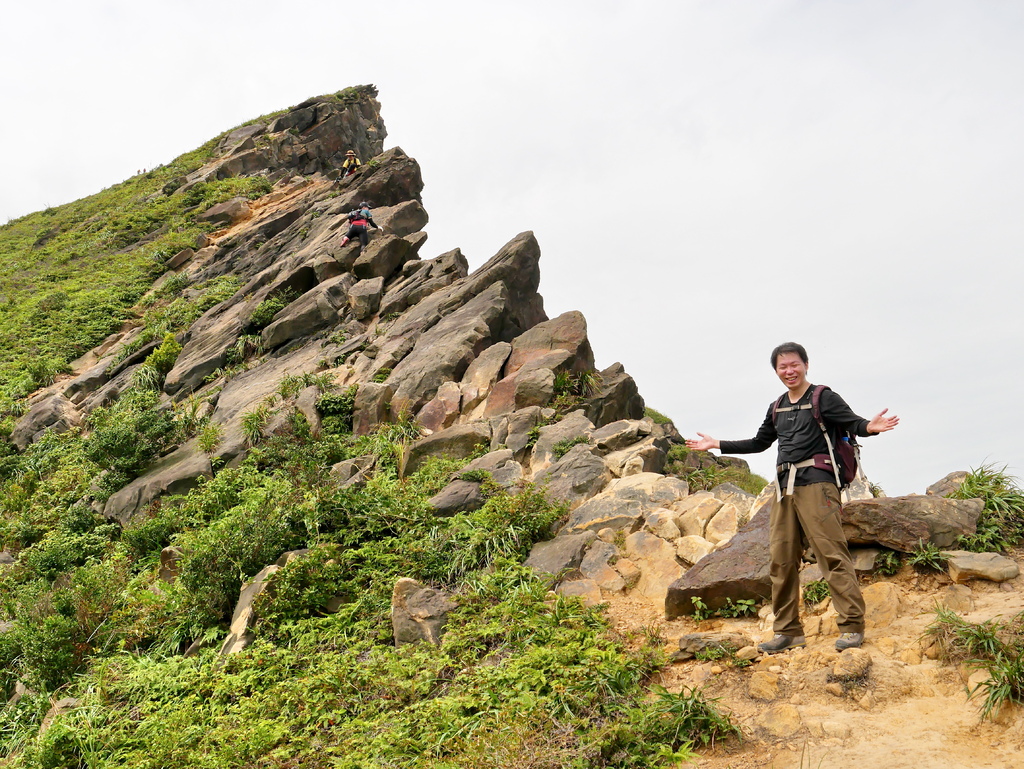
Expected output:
(847, 450)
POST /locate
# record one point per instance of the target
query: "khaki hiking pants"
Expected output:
(811, 513)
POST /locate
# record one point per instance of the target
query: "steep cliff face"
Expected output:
(407, 337)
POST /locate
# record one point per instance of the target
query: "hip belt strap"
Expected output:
(792, 467)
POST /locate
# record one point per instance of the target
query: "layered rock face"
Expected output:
(471, 356)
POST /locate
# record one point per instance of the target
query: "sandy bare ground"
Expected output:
(911, 712)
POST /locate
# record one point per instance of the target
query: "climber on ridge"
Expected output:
(357, 223)
(351, 164)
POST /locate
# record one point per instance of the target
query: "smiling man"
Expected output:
(807, 504)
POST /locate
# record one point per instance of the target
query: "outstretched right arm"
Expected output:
(705, 443)
(765, 437)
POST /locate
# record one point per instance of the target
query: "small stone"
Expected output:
(630, 571)
(775, 669)
(852, 663)
(780, 720)
(932, 652)
(748, 653)
(835, 689)
(964, 566)
(796, 699)
(867, 701)
(958, 598)
(1006, 587)
(717, 670)
(763, 686)
(607, 534)
(886, 645)
(911, 656)
(836, 729)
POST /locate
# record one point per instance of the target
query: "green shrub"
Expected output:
(128, 436)
(888, 563)
(815, 592)
(337, 409)
(265, 311)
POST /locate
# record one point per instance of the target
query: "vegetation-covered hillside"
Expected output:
(92, 634)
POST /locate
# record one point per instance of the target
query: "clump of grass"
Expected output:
(1001, 524)
(815, 592)
(888, 563)
(927, 557)
(993, 646)
(565, 445)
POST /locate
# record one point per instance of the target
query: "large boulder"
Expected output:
(658, 565)
(739, 570)
(482, 374)
(177, 473)
(566, 332)
(572, 427)
(55, 413)
(419, 280)
(403, 219)
(617, 398)
(457, 442)
(227, 213)
(372, 406)
(444, 352)
(964, 566)
(576, 477)
(561, 555)
(901, 523)
(319, 308)
(948, 484)
(382, 257)
(364, 297)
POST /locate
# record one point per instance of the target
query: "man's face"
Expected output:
(791, 370)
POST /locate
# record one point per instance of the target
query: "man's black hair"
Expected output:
(788, 347)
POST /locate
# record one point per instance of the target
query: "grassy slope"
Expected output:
(520, 676)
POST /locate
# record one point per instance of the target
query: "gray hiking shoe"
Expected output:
(781, 643)
(849, 641)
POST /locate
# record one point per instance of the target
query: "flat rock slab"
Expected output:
(964, 566)
(691, 643)
(418, 612)
(901, 523)
(739, 570)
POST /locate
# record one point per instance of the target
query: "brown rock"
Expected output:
(739, 570)
(964, 566)
(901, 523)
(656, 559)
(457, 442)
(763, 686)
(418, 612)
(947, 485)
(566, 332)
(781, 721)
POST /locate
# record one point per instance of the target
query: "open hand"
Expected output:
(704, 443)
(880, 423)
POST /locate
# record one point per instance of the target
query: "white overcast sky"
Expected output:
(706, 179)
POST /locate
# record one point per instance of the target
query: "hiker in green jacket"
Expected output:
(807, 505)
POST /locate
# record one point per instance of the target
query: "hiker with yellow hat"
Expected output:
(350, 165)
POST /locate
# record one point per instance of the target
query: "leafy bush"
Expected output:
(337, 409)
(888, 562)
(128, 436)
(815, 592)
(266, 310)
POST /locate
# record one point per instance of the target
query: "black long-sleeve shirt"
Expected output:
(799, 435)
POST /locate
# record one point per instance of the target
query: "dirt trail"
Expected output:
(911, 712)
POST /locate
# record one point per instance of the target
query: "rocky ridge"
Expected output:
(474, 360)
